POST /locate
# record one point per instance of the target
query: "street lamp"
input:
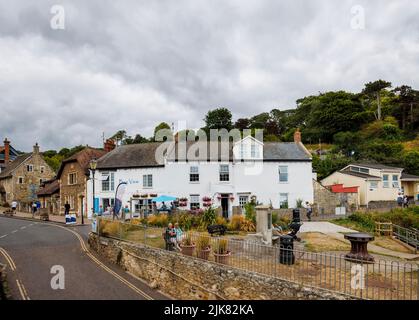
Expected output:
(93, 166)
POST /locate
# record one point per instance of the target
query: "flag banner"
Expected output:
(118, 197)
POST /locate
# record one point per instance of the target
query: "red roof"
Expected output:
(339, 188)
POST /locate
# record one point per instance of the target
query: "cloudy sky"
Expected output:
(131, 64)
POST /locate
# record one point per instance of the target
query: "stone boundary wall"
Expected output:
(3, 285)
(187, 278)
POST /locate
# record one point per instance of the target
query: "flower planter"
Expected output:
(187, 250)
(203, 254)
(222, 258)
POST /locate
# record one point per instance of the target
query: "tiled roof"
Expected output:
(360, 175)
(144, 154)
(83, 157)
(49, 188)
(407, 177)
(8, 171)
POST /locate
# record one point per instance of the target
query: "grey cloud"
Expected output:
(131, 64)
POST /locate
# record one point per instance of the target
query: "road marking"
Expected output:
(22, 290)
(24, 227)
(3, 236)
(14, 231)
(8, 258)
(102, 265)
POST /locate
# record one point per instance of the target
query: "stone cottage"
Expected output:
(73, 175)
(21, 179)
(49, 196)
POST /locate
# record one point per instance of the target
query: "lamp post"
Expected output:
(93, 166)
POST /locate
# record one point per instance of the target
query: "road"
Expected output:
(30, 249)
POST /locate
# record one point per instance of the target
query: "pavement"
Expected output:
(33, 252)
(337, 232)
(52, 218)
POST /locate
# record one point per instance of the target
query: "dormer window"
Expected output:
(358, 169)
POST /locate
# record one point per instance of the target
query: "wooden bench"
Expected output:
(217, 229)
(168, 240)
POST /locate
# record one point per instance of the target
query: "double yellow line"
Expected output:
(103, 266)
(21, 287)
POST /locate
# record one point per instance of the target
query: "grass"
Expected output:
(320, 242)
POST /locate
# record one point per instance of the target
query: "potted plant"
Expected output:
(221, 252)
(203, 247)
(187, 246)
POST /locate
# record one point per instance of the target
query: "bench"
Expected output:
(169, 245)
(217, 229)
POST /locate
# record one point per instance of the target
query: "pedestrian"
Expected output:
(400, 200)
(309, 210)
(14, 206)
(67, 208)
(100, 210)
(406, 202)
(126, 212)
(34, 208)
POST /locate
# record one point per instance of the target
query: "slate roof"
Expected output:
(360, 175)
(50, 187)
(409, 177)
(144, 154)
(378, 166)
(83, 157)
(8, 171)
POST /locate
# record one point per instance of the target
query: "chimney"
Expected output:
(6, 151)
(36, 148)
(109, 145)
(297, 136)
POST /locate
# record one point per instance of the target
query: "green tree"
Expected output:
(411, 162)
(220, 118)
(374, 89)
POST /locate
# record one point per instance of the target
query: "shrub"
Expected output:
(208, 217)
(250, 211)
(235, 223)
(247, 226)
(203, 242)
(221, 220)
(158, 220)
(109, 228)
(187, 240)
(184, 219)
(299, 203)
(221, 246)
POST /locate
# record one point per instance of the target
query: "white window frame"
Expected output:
(108, 178)
(19, 180)
(74, 182)
(281, 180)
(224, 173)
(395, 183)
(147, 181)
(386, 182)
(195, 202)
(373, 185)
(243, 200)
(282, 201)
(193, 172)
(29, 167)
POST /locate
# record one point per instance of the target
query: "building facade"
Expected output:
(73, 176)
(22, 178)
(7, 154)
(49, 196)
(276, 174)
(375, 182)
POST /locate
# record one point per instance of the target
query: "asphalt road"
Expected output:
(31, 249)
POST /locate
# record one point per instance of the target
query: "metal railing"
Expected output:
(408, 236)
(381, 280)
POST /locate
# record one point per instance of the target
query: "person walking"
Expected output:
(14, 206)
(405, 202)
(34, 208)
(126, 213)
(309, 210)
(67, 208)
(400, 200)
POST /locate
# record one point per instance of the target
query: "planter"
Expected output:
(187, 250)
(222, 258)
(203, 254)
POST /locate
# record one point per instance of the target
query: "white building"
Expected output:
(275, 173)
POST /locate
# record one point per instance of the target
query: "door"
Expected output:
(224, 205)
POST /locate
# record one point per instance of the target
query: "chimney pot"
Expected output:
(36, 148)
(6, 151)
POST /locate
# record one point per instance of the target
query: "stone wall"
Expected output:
(187, 278)
(25, 193)
(326, 201)
(3, 284)
(75, 194)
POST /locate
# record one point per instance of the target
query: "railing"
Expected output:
(381, 280)
(408, 236)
